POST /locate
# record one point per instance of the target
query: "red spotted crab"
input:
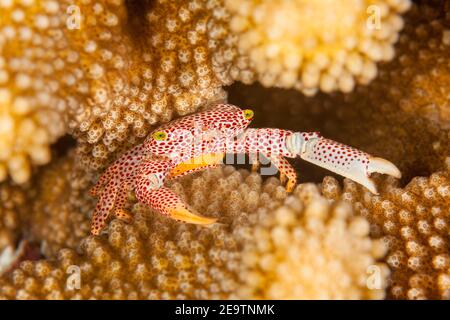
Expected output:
(200, 141)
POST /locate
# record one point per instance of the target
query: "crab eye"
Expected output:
(248, 114)
(159, 135)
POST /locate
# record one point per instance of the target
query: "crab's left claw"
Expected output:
(343, 160)
(166, 202)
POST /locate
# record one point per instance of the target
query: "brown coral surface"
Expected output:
(266, 246)
(12, 202)
(414, 223)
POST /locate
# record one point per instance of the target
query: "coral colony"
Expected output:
(116, 117)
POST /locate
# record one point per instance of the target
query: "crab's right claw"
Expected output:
(383, 166)
(166, 202)
(347, 161)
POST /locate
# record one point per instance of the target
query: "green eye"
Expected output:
(159, 135)
(248, 114)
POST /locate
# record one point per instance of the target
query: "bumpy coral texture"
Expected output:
(157, 258)
(12, 202)
(414, 223)
(60, 206)
(421, 70)
(413, 219)
(311, 249)
(82, 67)
(308, 45)
(106, 71)
(52, 215)
(382, 118)
(179, 63)
(32, 110)
(106, 81)
(401, 116)
(139, 71)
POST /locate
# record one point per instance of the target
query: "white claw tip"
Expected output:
(369, 184)
(383, 166)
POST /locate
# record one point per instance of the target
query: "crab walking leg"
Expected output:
(270, 143)
(121, 167)
(286, 171)
(104, 205)
(121, 199)
(254, 161)
(102, 181)
(339, 158)
(150, 191)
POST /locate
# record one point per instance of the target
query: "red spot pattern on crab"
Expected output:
(337, 155)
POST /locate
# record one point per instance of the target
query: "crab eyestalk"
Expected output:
(339, 158)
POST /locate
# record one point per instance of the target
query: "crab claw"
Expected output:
(341, 159)
(180, 213)
(383, 166)
(166, 202)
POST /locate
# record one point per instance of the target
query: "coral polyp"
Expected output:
(220, 262)
(311, 45)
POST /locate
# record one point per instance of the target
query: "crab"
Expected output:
(200, 141)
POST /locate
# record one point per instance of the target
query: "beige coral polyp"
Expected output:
(242, 257)
(309, 45)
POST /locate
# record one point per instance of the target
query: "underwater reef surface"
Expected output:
(83, 81)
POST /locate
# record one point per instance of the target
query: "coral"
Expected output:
(32, 111)
(414, 223)
(138, 71)
(385, 118)
(307, 45)
(77, 67)
(12, 202)
(105, 82)
(180, 71)
(421, 71)
(107, 71)
(151, 67)
(60, 207)
(158, 258)
(311, 249)
(106, 75)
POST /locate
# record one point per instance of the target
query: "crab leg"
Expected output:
(121, 199)
(310, 146)
(270, 143)
(104, 205)
(339, 158)
(121, 167)
(286, 172)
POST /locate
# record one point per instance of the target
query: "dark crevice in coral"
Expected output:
(137, 24)
(29, 251)
(63, 145)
